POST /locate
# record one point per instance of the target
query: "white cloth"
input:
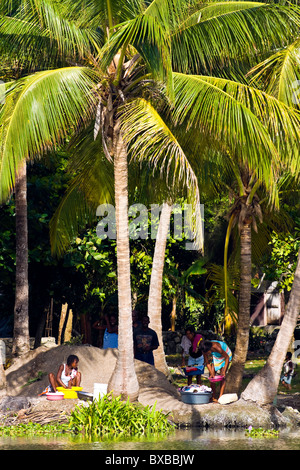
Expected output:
(185, 344)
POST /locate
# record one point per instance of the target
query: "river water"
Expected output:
(190, 440)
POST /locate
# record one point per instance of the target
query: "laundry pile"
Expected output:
(195, 388)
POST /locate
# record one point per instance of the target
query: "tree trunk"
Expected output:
(263, 387)
(40, 328)
(63, 314)
(155, 290)
(21, 342)
(69, 326)
(2, 371)
(173, 313)
(123, 380)
(235, 374)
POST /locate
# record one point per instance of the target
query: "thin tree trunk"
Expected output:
(21, 341)
(69, 325)
(123, 380)
(63, 314)
(173, 313)
(41, 327)
(155, 290)
(2, 371)
(235, 374)
(263, 387)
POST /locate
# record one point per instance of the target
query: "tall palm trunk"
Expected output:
(123, 380)
(21, 342)
(155, 290)
(2, 371)
(263, 387)
(235, 374)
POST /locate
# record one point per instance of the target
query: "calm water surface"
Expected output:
(181, 440)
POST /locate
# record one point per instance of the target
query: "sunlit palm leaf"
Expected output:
(42, 109)
(149, 39)
(150, 139)
(239, 34)
(36, 18)
(280, 74)
(254, 125)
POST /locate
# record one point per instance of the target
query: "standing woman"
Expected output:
(222, 356)
(195, 354)
(110, 339)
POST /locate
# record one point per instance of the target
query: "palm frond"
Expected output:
(148, 37)
(227, 34)
(42, 109)
(216, 276)
(149, 139)
(253, 125)
(279, 74)
(44, 19)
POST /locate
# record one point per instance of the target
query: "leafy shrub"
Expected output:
(112, 416)
(262, 433)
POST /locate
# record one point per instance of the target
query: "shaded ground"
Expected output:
(96, 366)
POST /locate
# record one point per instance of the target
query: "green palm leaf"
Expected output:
(227, 33)
(149, 38)
(150, 139)
(42, 109)
(35, 18)
(280, 74)
(252, 124)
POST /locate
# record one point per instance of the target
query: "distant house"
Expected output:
(267, 305)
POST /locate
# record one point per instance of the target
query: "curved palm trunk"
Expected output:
(155, 290)
(123, 380)
(235, 374)
(21, 343)
(263, 387)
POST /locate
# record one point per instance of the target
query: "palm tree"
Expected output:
(21, 344)
(263, 387)
(130, 85)
(279, 75)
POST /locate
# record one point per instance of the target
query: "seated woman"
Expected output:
(67, 376)
(222, 356)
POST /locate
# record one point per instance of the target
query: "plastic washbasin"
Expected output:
(199, 398)
(55, 396)
(69, 393)
(216, 378)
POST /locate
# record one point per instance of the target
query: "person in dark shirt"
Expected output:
(145, 341)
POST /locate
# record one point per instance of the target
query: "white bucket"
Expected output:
(99, 391)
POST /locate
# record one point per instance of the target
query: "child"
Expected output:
(67, 376)
(185, 347)
(288, 371)
(195, 359)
